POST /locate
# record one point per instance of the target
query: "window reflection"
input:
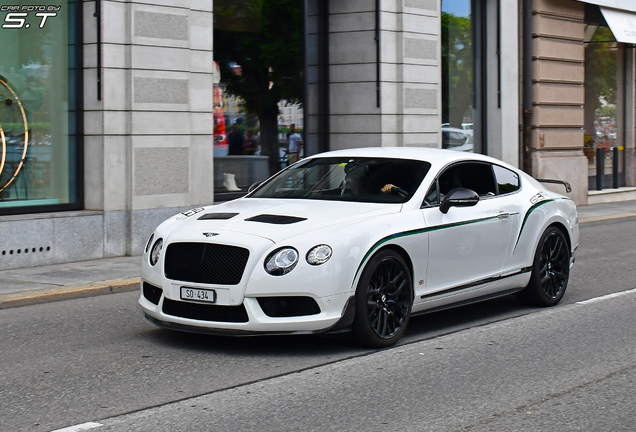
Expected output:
(457, 75)
(38, 142)
(258, 47)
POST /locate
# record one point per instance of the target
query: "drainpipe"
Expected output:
(527, 86)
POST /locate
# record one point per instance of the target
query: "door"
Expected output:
(467, 245)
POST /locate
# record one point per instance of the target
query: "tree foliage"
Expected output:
(601, 68)
(258, 45)
(457, 68)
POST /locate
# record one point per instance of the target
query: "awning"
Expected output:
(622, 24)
(626, 5)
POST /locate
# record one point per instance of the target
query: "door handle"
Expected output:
(503, 215)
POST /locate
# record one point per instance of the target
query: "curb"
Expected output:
(27, 298)
(599, 220)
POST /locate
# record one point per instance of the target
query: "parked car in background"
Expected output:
(456, 139)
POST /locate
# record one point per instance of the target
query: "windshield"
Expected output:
(378, 180)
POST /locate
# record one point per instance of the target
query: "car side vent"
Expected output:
(152, 293)
(276, 219)
(217, 216)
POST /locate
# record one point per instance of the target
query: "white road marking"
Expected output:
(605, 297)
(79, 427)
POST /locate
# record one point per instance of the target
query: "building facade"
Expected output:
(119, 114)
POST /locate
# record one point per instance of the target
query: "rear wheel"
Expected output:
(383, 301)
(550, 270)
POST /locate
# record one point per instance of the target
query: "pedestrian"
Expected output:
(295, 145)
(251, 144)
(235, 141)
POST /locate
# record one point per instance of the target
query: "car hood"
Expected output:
(277, 219)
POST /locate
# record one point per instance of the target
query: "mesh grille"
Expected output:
(206, 263)
(152, 293)
(204, 312)
(279, 307)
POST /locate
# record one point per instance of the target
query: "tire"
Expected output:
(550, 270)
(384, 298)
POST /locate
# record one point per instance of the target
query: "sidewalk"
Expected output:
(26, 286)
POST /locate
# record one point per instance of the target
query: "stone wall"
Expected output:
(406, 112)
(148, 141)
(558, 77)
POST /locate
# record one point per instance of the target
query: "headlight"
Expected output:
(319, 254)
(281, 261)
(152, 236)
(156, 251)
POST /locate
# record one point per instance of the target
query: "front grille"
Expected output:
(279, 307)
(152, 293)
(204, 312)
(207, 263)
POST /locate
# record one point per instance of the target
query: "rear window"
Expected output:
(507, 181)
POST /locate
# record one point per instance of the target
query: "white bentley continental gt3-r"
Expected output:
(360, 239)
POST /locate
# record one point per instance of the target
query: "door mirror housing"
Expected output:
(459, 197)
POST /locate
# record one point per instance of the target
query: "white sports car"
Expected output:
(360, 239)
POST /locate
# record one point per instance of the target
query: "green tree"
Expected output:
(258, 45)
(457, 68)
(600, 78)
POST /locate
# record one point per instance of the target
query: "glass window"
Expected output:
(507, 181)
(603, 73)
(458, 71)
(38, 107)
(260, 48)
(477, 177)
(345, 179)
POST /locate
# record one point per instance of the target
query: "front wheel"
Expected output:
(384, 297)
(550, 270)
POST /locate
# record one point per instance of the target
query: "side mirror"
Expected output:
(253, 186)
(458, 197)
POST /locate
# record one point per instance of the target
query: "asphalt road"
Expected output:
(492, 366)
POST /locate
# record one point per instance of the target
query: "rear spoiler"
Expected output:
(568, 188)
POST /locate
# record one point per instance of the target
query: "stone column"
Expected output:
(406, 112)
(149, 141)
(558, 114)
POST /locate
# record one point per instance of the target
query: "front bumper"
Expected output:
(332, 309)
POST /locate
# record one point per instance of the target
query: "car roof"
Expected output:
(435, 156)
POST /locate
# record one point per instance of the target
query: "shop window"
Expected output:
(39, 81)
(604, 77)
(458, 75)
(261, 51)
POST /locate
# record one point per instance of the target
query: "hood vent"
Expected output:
(276, 219)
(217, 216)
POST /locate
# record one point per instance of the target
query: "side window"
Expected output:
(507, 181)
(476, 176)
(432, 197)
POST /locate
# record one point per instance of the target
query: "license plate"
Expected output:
(195, 294)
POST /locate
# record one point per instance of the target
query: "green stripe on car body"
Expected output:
(416, 231)
(530, 210)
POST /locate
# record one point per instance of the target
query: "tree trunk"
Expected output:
(268, 119)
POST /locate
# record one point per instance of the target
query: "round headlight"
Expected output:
(281, 261)
(156, 251)
(152, 236)
(319, 254)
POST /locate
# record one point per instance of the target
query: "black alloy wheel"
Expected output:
(383, 300)
(550, 270)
